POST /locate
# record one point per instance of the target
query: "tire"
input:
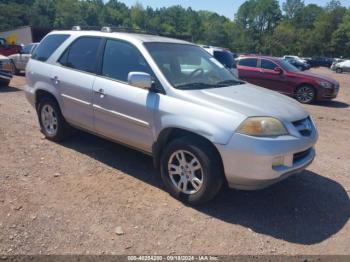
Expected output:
(52, 123)
(4, 82)
(339, 70)
(305, 94)
(14, 71)
(204, 177)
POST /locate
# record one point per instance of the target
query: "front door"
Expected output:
(123, 112)
(271, 79)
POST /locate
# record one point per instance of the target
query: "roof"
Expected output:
(259, 56)
(135, 36)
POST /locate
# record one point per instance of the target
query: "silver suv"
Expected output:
(174, 101)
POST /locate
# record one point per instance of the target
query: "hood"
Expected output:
(249, 100)
(316, 77)
(3, 57)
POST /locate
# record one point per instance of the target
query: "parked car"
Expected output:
(294, 57)
(302, 66)
(6, 49)
(224, 56)
(5, 70)
(203, 127)
(341, 67)
(21, 59)
(320, 61)
(278, 75)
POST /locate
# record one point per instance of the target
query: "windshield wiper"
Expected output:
(197, 85)
(230, 82)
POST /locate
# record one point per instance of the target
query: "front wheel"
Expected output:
(305, 94)
(52, 123)
(339, 70)
(191, 170)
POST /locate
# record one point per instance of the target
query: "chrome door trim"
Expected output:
(123, 116)
(75, 99)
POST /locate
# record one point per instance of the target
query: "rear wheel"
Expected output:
(52, 123)
(305, 94)
(191, 170)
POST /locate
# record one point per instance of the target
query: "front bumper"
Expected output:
(249, 161)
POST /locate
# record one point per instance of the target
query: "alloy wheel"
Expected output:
(49, 120)
(185, 171)
(305, 94)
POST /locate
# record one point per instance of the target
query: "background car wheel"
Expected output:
(191, 170)
(339, 70)
(14, 71)
(305, 94)
(52, 123)
(4, 82)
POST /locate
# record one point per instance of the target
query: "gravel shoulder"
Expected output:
(90, 196)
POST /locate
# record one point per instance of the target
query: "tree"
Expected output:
(292, 7)
(68, 14)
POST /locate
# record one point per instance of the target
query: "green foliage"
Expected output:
(259, 25)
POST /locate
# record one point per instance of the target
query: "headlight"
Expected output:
(326, 84)
(262, 126)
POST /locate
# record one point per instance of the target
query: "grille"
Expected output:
(304, 126)
(300, 155)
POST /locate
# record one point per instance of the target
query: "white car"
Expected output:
(341, 67)
(224, 56)
(21, 59)
(289, 57)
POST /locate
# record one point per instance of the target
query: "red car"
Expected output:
(7, 50)
(279, 75)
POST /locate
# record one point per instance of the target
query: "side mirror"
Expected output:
(140, 79)
(278, 70)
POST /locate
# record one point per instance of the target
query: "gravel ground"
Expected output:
(90, 196)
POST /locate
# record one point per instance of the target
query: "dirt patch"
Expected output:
(90, 196)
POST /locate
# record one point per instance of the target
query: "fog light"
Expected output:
(278, 161)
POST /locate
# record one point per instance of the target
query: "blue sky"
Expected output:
(223, 7)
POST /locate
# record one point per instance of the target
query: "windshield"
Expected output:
(288, 66)
(190, 67)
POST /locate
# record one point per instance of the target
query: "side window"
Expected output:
(266, 64)
(82, 54)
(250, 62)
(48, 46)
(120, 58)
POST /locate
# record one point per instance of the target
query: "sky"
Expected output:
(223, 7)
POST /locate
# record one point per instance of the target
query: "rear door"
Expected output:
(74, 77)
(273, 80)
(123, 112)
(248, 70)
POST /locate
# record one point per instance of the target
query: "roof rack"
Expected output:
(110, 29)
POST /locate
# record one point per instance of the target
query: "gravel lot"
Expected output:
(90, 196)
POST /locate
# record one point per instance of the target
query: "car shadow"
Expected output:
(331, 103)
(305, 209)
(8, 89)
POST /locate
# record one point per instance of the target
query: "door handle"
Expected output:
(101, 92)
(55, 80)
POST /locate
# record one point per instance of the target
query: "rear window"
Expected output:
(48, 46)
(251, 62)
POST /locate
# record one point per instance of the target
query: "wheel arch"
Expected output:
(171, 133)
(42, 93)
